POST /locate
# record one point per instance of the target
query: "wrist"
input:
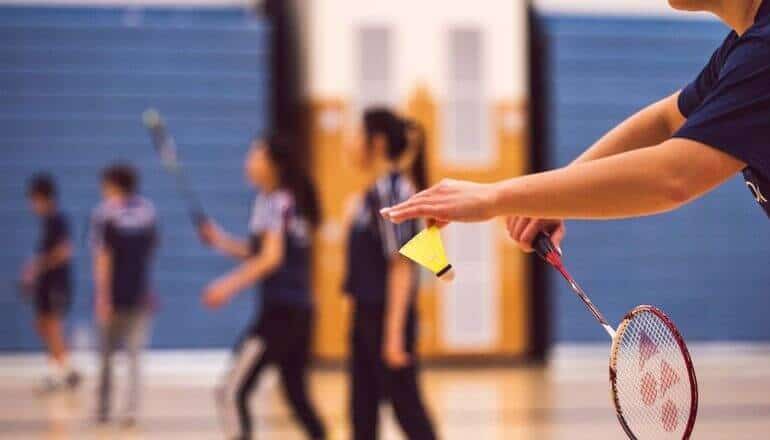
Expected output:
(495, 199)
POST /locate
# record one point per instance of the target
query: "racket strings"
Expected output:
(652, 387)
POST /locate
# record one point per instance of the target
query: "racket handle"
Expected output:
(544, 247)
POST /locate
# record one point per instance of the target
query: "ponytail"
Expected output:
(418, 170)
(294, 177)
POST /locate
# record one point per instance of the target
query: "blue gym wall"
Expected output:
(73, 84)
(705, 264)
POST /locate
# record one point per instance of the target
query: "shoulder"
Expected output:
(752, 50)
(103, 211)
(282, 199)
(275, 201)
(146, 206)
(395, 187)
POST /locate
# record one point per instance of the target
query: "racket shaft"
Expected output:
(548, 253)
(165, 146)
(587, 301)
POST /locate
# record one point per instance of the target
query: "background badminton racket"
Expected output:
(166, 147)
(652, 377)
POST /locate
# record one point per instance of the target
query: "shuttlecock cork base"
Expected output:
(427, 250)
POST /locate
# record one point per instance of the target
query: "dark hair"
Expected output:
(379, 121)
(122, 175)
(42, 185)
(294, 176)
(417, 142)
(383, 122)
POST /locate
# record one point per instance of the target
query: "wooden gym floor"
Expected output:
(567, 400)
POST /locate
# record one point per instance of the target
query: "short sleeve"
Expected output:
(269, 213)
(735, 115)
(392, 192)
(691, 97)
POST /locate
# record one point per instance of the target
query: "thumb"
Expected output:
(557, 236)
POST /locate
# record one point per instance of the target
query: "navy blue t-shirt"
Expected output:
(728, 105)
(55, 232)
(128, 231)
(289, 284)
(373, 241)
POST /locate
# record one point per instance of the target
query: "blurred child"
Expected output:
(382, 283)
(124, 236)
(278, 254)
(47, 277)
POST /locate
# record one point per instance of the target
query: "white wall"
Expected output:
(420, 31)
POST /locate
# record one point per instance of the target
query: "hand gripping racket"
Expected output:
(166, 148)
(653, 382)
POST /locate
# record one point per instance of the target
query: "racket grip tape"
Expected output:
(544, 247)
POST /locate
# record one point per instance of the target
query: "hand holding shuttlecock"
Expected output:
(427, 250)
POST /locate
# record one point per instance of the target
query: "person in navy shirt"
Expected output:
(47, 277)
(382, 284)
(661, 158)
(277, 253)
(123, 240)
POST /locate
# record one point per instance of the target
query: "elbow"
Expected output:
(677, 190)
(67, 252)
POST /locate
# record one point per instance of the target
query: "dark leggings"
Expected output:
(282, 338)
(372, 382)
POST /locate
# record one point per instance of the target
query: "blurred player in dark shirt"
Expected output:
(47, 278)
(123, 229)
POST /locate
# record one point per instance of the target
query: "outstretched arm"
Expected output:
(215, 237)
(636, 183)
(650, 126)
(250, 271)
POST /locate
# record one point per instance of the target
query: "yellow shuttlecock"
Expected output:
(427, 250)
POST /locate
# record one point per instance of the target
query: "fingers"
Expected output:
(524, 230)
(519, 226)
(423, 204)
(519, 230)
(416, 208)
(528, 235)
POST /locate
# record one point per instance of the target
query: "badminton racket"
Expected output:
(166, 147)
(652, 377)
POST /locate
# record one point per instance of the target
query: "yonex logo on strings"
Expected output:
(652, 388)
(758, 196)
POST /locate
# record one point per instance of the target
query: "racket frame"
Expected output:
(546, 250)
(693, 414)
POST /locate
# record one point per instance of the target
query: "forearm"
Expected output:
(399, 287)
(650, 126)
(637, 183)
(58, 256)
(232, 247)
(102, 276)
(247, 273)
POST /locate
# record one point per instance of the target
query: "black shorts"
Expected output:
(53, 299)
